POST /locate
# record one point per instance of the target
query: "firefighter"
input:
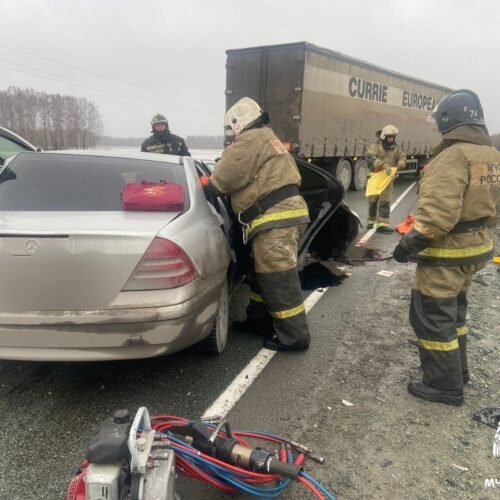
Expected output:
(163, 141)
(459, 203)
(263, 181)
(383, 155)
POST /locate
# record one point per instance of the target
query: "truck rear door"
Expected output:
(272, 76)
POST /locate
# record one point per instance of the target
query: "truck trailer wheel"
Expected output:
(343, 172)
(360, 173)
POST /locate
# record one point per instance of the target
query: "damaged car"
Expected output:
(85, 280)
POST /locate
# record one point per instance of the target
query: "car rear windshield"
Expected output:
(66, 182)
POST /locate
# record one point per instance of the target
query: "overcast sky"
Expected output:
(135, 58)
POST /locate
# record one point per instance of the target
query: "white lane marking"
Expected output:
(400, 199)
(365, 237)
(226, 401)
(371, 232)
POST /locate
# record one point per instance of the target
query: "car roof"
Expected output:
(8, 134)
(119, 153)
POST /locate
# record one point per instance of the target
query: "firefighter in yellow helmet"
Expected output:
(383, 155)
(263, 181)
(459, 203)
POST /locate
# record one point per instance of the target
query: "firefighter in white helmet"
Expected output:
(383, 155)
(263, 181)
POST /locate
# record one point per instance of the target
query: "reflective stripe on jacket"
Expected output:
(459, 185)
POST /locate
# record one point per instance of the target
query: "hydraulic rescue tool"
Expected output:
(138, 460)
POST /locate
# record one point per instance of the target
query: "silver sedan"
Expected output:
(82, 279)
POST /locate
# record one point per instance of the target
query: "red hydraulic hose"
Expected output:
(311, 487)
(299, 461)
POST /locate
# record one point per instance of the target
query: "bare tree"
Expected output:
(51, 121)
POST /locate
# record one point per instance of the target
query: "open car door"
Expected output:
(333, 225)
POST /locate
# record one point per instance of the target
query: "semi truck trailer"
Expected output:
(327, 107)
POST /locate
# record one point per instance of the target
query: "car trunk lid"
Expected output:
(71, 261)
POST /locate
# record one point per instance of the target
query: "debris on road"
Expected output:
(460, 467)
(488, 416)
(385, 274)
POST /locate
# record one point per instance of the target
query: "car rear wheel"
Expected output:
(216, 342)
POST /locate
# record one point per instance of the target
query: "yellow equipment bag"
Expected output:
(378, 181)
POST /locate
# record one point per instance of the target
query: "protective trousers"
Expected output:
(438, 316)
(379, 207)
(276, 301)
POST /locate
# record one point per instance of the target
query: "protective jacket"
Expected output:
(459, 199)
(167, 143)
(379, 156)
(254, 166)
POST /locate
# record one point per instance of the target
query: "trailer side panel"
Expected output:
(345, 103)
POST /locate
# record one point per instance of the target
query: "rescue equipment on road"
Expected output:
(138, 460)
(378, 181)
(406, 226)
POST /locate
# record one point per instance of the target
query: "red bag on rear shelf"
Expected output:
(153, 196)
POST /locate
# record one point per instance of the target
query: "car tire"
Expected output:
(216, 341)
(360, 175)
(343, 172)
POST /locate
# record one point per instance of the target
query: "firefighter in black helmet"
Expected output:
(163, 141)
(459, 204)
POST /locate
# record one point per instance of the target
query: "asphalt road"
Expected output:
(50, 411)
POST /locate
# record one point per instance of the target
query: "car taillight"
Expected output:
(164, 265)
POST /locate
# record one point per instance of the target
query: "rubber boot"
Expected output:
(260, 327)
(422, 391)
(434, 322)
(274, 344)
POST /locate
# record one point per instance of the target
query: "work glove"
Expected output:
(401, 255)
(410, 244)
(204, 180)
(388, 169)
(208, 188)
